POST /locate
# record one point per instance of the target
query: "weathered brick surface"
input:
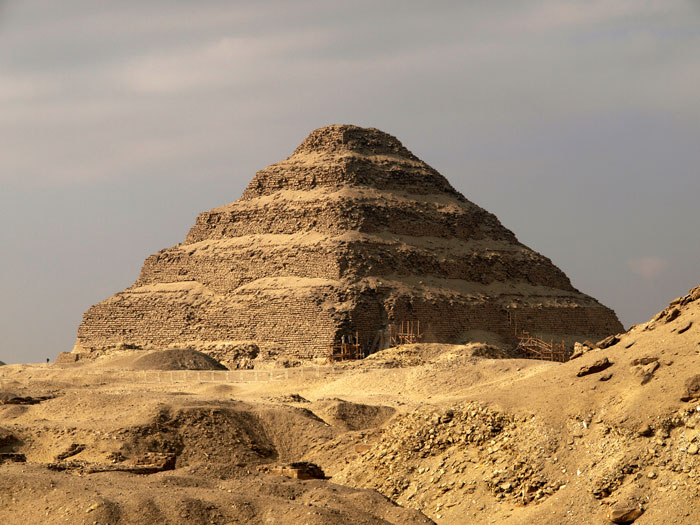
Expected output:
(339, 213)
(350, 233)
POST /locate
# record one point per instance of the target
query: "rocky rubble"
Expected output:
(674, 310)
(608, 341)
(296, 470)
(598, 366)
(580, 349)
(653, 458)
(426, 456)
(624, 514)
(148, 463)
(692, 388)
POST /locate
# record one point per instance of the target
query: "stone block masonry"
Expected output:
(349, 234)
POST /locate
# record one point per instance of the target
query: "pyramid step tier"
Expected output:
(281, 313)
(224, 266)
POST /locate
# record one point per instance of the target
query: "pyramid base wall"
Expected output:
(449, 321)
(298, 329)
(303, 328)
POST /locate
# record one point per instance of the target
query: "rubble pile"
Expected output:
(427, 456)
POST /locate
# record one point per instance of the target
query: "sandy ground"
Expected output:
(414, 434)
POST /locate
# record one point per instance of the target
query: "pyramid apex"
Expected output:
(338, 138)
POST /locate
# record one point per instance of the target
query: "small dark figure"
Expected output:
(47, 360)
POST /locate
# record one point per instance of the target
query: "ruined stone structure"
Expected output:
(349, 234)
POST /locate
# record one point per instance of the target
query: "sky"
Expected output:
(576, 122)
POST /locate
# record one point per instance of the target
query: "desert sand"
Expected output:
(449, 433)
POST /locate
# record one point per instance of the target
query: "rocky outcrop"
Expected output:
(349, 234)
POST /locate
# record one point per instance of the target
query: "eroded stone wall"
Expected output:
(302, 327)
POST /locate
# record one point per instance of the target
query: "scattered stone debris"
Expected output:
(647, 372)
(239, 356)
(605, 377)
(149, 463)
(15, 457)
(624, 513)
(644, 360)
(74, 449)
(155, 461)
(645, 367)
(402, 464)
(116, 457)
(630, 344)
(611, 478)
(598, 366)
(608, 342)
(297, 470)
(645, 430)
(290, 398)
(692, 388)
(671, 315)
(579, 350)
(685, 327)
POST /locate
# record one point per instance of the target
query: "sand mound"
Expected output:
(289, 398)
(345, 415)
(425, 353)
(227, 436)
(174, 359)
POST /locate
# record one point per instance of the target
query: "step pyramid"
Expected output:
(350, 235)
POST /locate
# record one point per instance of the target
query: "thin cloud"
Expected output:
(647, 267)
(81, 89)
(213, 64)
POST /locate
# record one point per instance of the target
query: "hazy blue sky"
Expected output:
(576, 122)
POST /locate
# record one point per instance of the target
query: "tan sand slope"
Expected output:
(438, 429)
